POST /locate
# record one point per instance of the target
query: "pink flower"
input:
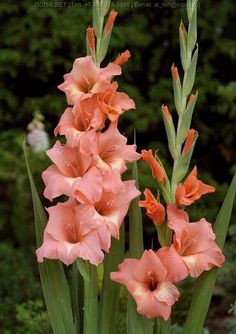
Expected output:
(109, 211)
(70, 165)
(86, 79)
(67, 239)
(191, 190)
(146, 280)
(113, 103)
(155, 210)
(193, 250)
(112, 151)
(77, 121)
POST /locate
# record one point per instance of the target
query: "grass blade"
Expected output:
(89, 273)
(110, 290)
(136, 324)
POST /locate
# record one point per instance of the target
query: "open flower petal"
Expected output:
(66, 239)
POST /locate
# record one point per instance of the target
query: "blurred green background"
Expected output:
(38, 44)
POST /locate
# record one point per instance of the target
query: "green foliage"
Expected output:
(230, 323)
(18, 283)
(32, 318)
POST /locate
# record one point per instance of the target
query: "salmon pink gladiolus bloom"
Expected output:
(86, 79)
(193, 250)
(113, 103)
(155, 210)
(70, 165)
(112, 151)
(158, 171)
(77, 121)
(108, 212)
(146, 280)
(66, 238)
(191, 190)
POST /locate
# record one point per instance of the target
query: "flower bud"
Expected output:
(122, 58)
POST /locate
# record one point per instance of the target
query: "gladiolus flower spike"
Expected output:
(88, 167)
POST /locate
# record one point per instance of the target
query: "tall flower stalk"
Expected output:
(87, 230)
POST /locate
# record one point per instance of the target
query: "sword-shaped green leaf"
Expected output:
(53, 280)
(109, 296)
(206, 282)
(89, 274)
(136, 324)
(162, 326)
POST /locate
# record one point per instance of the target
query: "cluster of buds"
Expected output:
(88, 167)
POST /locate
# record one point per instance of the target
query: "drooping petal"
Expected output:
(89, 187)
(56, 183)
(204, 188)
(107, 73)
(167, 293)
(152, 308)
(176, 268)
(204, 261)
(90, 249)
(177, 218)
(126, 271)
(48, 249)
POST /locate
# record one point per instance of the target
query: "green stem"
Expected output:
(99, 39)
(109, 296)
(77, 298)
(89, 273)
(162, 326)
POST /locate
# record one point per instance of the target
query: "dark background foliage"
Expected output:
(38, 44)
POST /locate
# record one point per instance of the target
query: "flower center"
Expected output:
(152, 283)
(187, 244)
(103, 207)
(71, 229)
(110, 150)
(73, 167)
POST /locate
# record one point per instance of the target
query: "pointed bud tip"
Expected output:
(181, 32)
(175, 73)
(190, 140)
(91, 38)
(191, 99)
(110, 21)
(166, 112)
(122, 58)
